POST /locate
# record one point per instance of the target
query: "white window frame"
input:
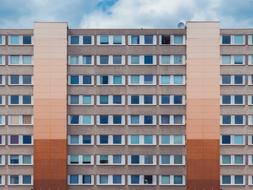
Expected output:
(3, 80)
(21, 83)
(233, 81)
(21, 161)
(110, 120)
(80, 100)
(141, 120)
(110, 140)
(3, 37)
(232, 98)
(141, 100)
(141, 82)
(232, 177)
(171, 180)
(171, 143)
(141, 141)
(142, 40)
(142, 160)
(171, 78)
(110, 40)
(232, 156)
(110, 60)
(20, 97)
(172, 160)
(172, 39)
(233, 120)
(172, 101)
(80, 81)
(232, 137)
(80, 159)
(20, 60)
(81, 40)
(110, 180)
(110, 160)
(232, 60)
(3, 140)
(172, 120)
(142, 180)
(2, 182)
(2, 161)
(21, 122)
(80, 140)
(20, 180)
(142, 60)
(110, 100)
(80, 180)
(20, 40)
(20, 141)
(110, 80)
(80, 60)
(232, 37)
(2, 97)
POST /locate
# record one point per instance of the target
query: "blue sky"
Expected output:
(125, 13)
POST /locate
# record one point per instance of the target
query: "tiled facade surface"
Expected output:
(178, 104)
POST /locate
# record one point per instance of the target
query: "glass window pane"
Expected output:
(74, 39)
(165, 139)
(238, 139)
(165, 59)
(238, 39)
(238, 179)
(178, 179)
(135, 139)
(87, 40)
(117, 59)
(178, 79)
(73, 60)
(178, 39)
(178, 139)
(238, 159)
(226, 39)
(165, 79)
(14, 59)
(238, 59)
(178, 59)
(135, 79)
(148, 39)
(135, 59)
(117, 39)
(87, 59)
(148, 59)
(27, 39)
(27, 59)
(104, 39)
(87, 99)
(14, 40)
(165, 159)
(135, 40)
(148, 139)
(104, 59)
(165, 39)
(226, 159)
(226, 59)
(165, 179)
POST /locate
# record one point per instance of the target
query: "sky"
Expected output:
(125, 13)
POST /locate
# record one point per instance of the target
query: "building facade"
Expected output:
(115, 109)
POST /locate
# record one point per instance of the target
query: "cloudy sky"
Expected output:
(125, 13)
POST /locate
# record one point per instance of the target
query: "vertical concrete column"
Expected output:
(203, 106)
(50, 106)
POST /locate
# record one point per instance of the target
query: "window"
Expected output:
(20, 180)
(2, 101)
(81, 119)
(20, 119)
(20, 80)
(2, 59)
(232, 80)
(20, 140)
(226, 39)
(80, 179)
(232, 160)
(141, 140)
(117, 39)
(134, 59)
(141, 100)
(171, 120)
(73, 60)
(74, 40)
(142, 159)
(233, 120)
(165, 39)
(20, 160)
(148, 39)
(232, 180)
(110, 80)
(14, 40)
(232, 140)
(172, 140)
(232, 100)
(171, 80)
(238, 59)
(80, 79)
(14, 59)
(87, 60)
(27, 40)
(104, 39)
(148, 59)
(233, 39)
(87, 40)
(110, 140)
(117, 60)
(20, 100)
(141, 180)
(166, 159)
(2, 42)
(178, 39)
(110, 120)
(135, 40)
(104, 60)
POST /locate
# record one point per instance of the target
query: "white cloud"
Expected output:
(151, 13)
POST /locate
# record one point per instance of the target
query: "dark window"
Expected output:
(226, 79)
(14, 99)
(27, 79)
(226, 179)
(148, 59)
(74, 119)
(226, 139)
(86, 39)
(27, 139)
(27, 179)
(117, 59)
(226, 119)
(86, 179)
(238, 179)
(238, 119)
(104, 59)
(116, 179)
(104, 79)
(117, 99)
(226, 39)
(148, 99)
(74, 99)
(148, 179)
(116, 139)
(148, 39)
(226, 99)
(86, 139)
(135, 100)
(135, 179)
(104, 139)
(178, 179)
(165, 119)
(103, 119)
(165, 39)
(165, 99)
(135, 159)
(27, 39)
(14, 159)
(14, 79)
(27, 100)
(74, 39)
(116, 119)
(148, 119)
(238, 99)
(103, 159)
(74, 79)
(178, 99)
(148, 79)
(14, 139)
(238, 79)
(87, 79)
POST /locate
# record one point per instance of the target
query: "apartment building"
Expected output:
(117, 109)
